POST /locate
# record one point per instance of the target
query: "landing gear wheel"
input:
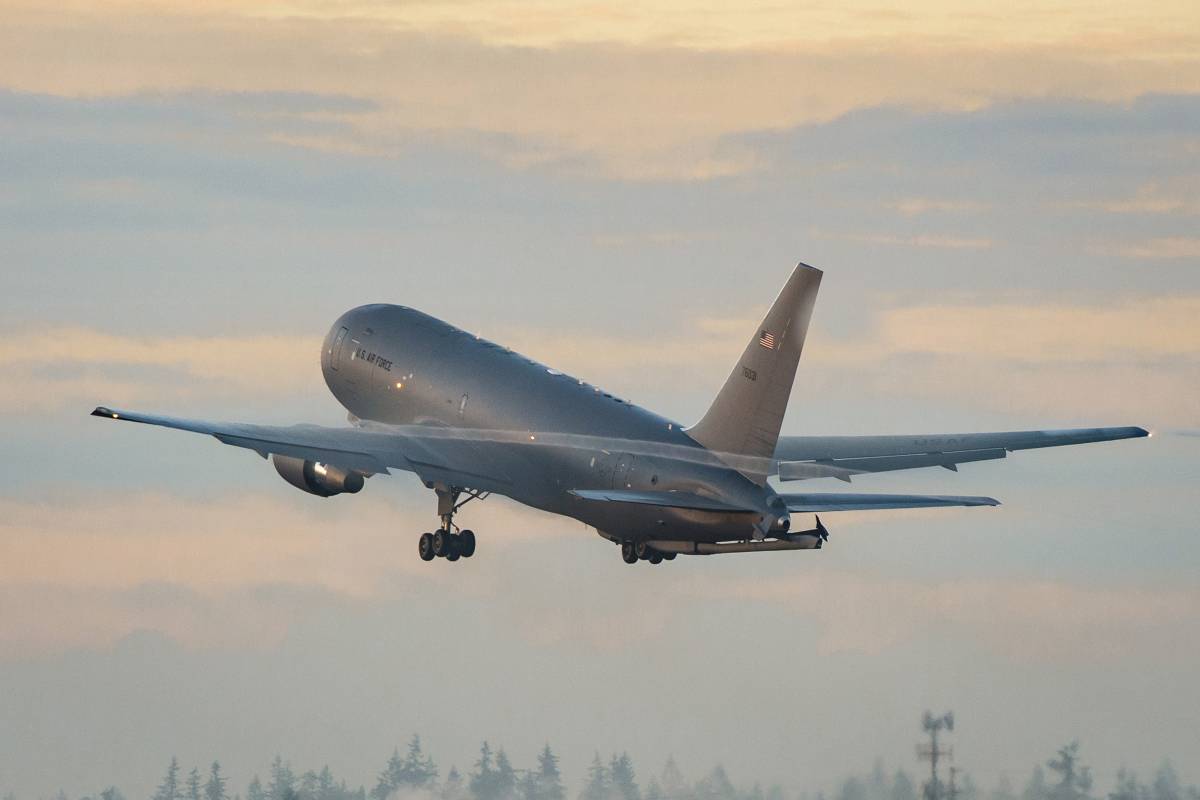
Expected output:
(466, 544)
(643, 552)
(425, 547)
(629, 553)
(454, 548)
(441, 543)
(655, 557)
(669, 556)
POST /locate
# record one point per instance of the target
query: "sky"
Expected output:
(1006, 207)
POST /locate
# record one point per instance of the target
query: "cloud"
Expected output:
(916, 240)
(1166, 247)
(69, 366)
(582, 95)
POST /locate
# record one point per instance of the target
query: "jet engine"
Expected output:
(323, 480)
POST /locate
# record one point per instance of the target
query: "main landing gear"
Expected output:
(448, 541)
(633, 552)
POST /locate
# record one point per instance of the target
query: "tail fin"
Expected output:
(747, 414)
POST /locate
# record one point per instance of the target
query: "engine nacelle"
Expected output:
(323, 480)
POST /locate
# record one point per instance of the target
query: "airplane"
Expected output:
(471, 418)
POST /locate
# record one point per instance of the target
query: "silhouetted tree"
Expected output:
(1127, 787)
(1166, 784)
(506, 777)
(452, 787)
(192, 791)
(1035, 788)
(484, 780)
(1074, 779)
(903, 788)
(674, 785)
(169, 789)
(597, 785)
(255, 790)
(622, 780)
(214, 787)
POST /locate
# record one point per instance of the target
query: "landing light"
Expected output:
(399, 385)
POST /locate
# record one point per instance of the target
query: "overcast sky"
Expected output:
(1006, 208)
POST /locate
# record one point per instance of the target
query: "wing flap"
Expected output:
(808, 503)
(666, 499)
(844, 468)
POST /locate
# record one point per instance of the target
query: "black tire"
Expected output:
(655, 557)
(454, 547)
(669, 556)
(441, 542)
(642, 550)
(629, 553)
(425, 547)
(466, 544)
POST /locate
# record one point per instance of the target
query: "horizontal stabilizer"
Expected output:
(666, 499)
(809, 503)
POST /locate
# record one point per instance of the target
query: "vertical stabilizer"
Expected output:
(747, 414)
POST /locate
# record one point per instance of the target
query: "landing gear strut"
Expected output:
(448, 541)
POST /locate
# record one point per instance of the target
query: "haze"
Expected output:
(1006, 210)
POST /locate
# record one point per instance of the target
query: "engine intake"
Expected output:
(323, 480)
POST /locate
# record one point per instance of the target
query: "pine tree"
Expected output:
(193, 785)
(673, 783)
(483, 779)
(214, 788)
(169, 789)
(1074, 779)
(597, 785)
(325, 785)
(452, 787)
(903, 787)
(549, 779)
(255, 790)
(391, 777)
(622, 778)
(418, 770)
(506, 777)
(1166, 784)
(111, 793)
(283, 781)
(1036, 788)
(1127, 787)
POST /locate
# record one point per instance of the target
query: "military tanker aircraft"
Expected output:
(470, 418)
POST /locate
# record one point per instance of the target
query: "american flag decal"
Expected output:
(767, 340)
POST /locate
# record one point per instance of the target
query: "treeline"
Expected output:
(413, 775)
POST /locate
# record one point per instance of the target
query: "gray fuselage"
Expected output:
(394, 365)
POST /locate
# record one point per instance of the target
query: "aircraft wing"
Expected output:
(667, 499)
(801, 457)
(369, 451)
(808, 503)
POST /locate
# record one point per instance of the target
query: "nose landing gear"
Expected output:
(448, 541)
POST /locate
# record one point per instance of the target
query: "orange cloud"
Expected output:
(638, 91)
